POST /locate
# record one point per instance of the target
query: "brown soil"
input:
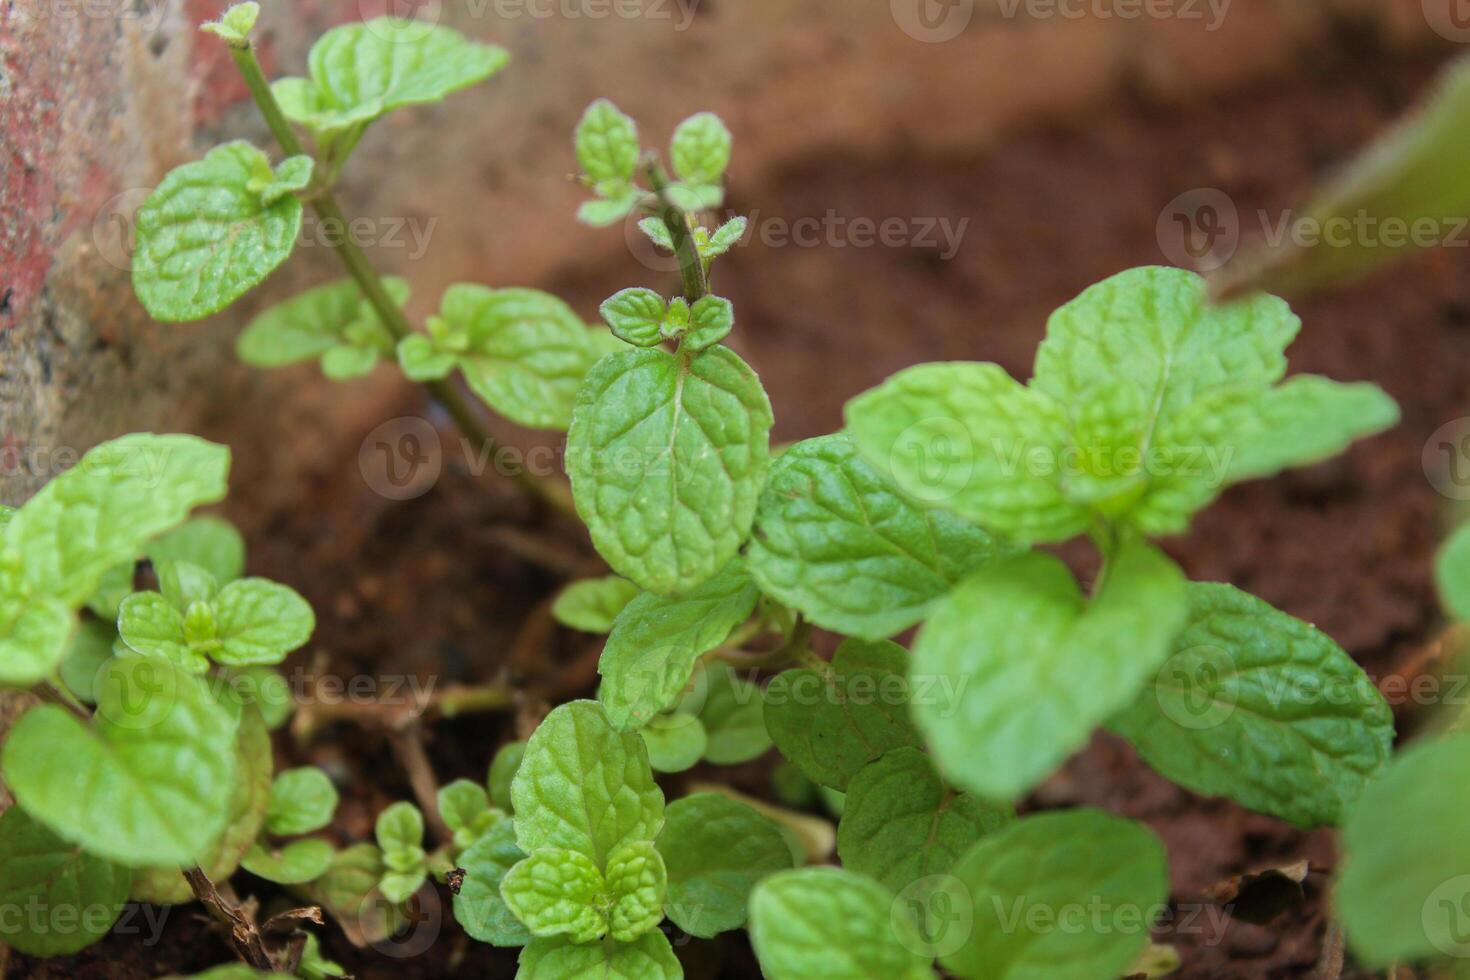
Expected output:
(425, 587)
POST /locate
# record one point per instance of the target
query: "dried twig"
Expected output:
(408, 748)
(244, 935)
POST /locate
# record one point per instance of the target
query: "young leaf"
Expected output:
(1261, 707)
(592, 605)
(556, 893)
(248, 800)
(832, 726)
(1028, 667)
(523, 352)
(314, 966)
(1406, 868)
(657, 232)
(607, 146)
(649, 957)
(148, 783)
(667, 455)
(961, 436)
(207, 235)
(301, 800)
(316, 323)
(102, 512)
(362, 71)
(35, 631)
(466, 809)
(603, 212)
(90, 649)
(399, 827)
(701, 149)
(715, 850)
(260, 622)
(79, 896)
(583, 786)
(711, 319)
(400, 833)
(478, 906)
(636, 881)
(1027, 880)
(297, 863)
(1452, 574)
(422, 361)
(636, 316)
(656, 642)
(674, 742)
(151, 626)
(503, 769)
(835, 542)
(235, 25)
(184, 583)
(349, 891)
(734, 718)
(724, 238)
(901, 824)
(822, 922)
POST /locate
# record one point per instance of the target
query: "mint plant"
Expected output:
(925, 511)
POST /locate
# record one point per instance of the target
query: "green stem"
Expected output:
(552, 492)
(691, 266)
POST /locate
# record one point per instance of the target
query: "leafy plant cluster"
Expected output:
(930, 509)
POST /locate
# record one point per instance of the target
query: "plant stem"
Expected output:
(455, 699)
(244, 936)
(552, 492)
(691, 266)
(408, 747)
(55, 692)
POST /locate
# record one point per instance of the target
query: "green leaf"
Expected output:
(636, 316)
(734, 718)
(422, 361)
(1263, 708)
(184, 583)
(963, 436)
(667, 456)
(91, 647)
(657, 232)
(147, 783)
(523, 352)
(264, 689)
(724, 238)
(101, 512)
(78, 896)
(35, 632)
(602, 213)
(693, 198)
(655, 643)
(1027, 882)
(503, 769)
(711, 319)
(347, 362)
(584, 786)
(592, 605)
(362, 71)
(650, 957)
(1452, 574)
(607, 144)
(151, 627)
(466, 809)
(301, 800)
(1405, 875)
(478, 906)
(835, 542)
(823, 922)
(260, 622)
(701, 149)
(297, 863)
(349, 891)
(212, 543)
(715, 850)
(317, 323)
(294, 174)
(206, 236)
(674, 742)
(248, 800)
(556, 893)
(832, 724)
(636, 882)
(901, 824)
(399, 827)
(235, 25)
(1025, 668)
(115, 586)
(314, 966)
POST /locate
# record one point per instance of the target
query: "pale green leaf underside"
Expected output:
(716, 850)
(834, 723)
(212, 543)
(1452, 574)
(479, 906)
(593, 605)
(1048, 867)
(40, 871)
(584, 786)
(649, 957)
(1036, 666)
(103, 511)
(667, 455)
(148, 783)
(316, 323)
(656, 642)
(297, 863)
(205, 237)
(675, 742)
(823, 922)
(734, 718)
(1263, 708)
(834, 541)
